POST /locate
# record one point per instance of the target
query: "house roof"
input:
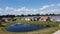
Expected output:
(44, 17)
(30, 17)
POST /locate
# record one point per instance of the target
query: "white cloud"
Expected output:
(25, 10)
(51, 10)
(56, 11)
(47, 6)
(58, 4)
(10, 9)
(52, 5)
(1, 10)
(44, 7)
(22, 10)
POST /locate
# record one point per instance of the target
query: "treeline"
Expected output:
(11, 16)
(7, 16)
(40, 15)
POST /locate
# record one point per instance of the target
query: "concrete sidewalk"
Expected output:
(57, 32)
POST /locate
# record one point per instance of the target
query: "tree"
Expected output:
(10, 16)
(17, 15)
(29, 15)
(38, 14)
(0, 23)
(52, 14)
(46, 14)
(22, 15)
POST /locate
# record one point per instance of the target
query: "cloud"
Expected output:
(58, 4)
(55, 11)
(44, 7)
(1, 10)
(10, 9)
(52, 10)
(47, 6)
(24, 10)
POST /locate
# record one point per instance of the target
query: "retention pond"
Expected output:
(18, 27)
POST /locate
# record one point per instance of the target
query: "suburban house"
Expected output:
(25, 18)
(30, 18)
(55, 18)
(44, 18)
(41, 18)
(36, 18)
(5, 19)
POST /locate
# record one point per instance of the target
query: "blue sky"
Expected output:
(18, 7)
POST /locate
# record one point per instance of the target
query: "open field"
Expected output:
(38, 23)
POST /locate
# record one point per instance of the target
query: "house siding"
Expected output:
(55, 18)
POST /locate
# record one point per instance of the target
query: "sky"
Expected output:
(18, 7)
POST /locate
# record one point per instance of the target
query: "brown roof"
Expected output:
(44, 17)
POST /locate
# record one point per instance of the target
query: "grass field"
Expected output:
(38, 23)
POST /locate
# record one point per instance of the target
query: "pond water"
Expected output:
(18, 27)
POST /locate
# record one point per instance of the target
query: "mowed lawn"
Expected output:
(38, 23)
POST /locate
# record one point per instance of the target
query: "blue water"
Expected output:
(18, 27)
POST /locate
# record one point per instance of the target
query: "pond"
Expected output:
(18, 27)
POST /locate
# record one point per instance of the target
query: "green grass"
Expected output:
(38, 23)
